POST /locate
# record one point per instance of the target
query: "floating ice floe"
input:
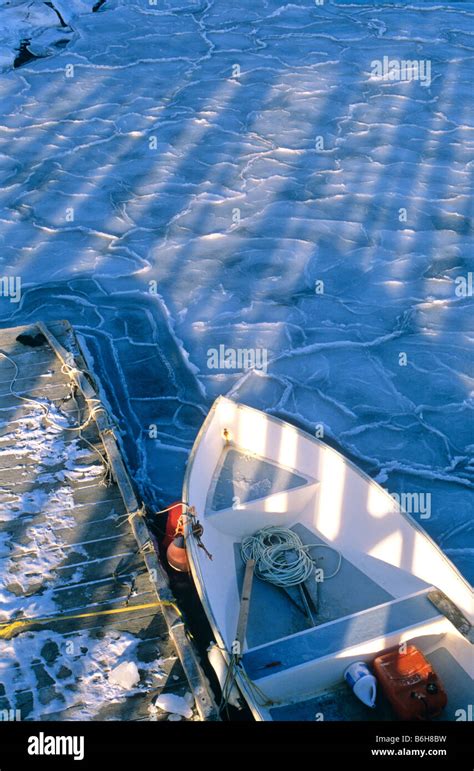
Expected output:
(42, 28)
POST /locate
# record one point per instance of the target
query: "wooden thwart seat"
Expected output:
(328, 639)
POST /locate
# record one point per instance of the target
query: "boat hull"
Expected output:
(248, 470)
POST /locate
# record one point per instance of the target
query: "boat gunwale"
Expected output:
(305, 435)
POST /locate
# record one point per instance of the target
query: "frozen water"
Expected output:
(200, 173)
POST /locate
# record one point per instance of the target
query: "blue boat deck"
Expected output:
(274, 615)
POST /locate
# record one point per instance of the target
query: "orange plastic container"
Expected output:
(410, 684)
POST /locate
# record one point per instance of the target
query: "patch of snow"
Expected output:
(32, 564)
(89, 661)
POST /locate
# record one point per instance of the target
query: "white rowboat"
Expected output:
(391, 584)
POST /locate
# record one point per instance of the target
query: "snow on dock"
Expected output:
(88, 626)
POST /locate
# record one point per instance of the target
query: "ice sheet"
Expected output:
(166, 205)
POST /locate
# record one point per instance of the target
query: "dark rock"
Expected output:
(50, 651)
(63, 672)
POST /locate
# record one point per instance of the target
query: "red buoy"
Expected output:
(176, 554)
(174, 541)
(172, 523)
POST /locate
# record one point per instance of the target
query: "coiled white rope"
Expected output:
(271, 549)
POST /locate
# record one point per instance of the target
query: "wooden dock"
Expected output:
(81, 588)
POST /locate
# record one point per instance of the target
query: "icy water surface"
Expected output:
(181, 177)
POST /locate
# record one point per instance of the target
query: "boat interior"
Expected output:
(368, 604)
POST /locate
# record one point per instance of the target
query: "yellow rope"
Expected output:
(12, 628)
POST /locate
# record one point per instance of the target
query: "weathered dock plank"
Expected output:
(77, 575)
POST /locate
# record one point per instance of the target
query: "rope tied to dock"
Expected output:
(95, 407)
(196, 528)
(13, 628)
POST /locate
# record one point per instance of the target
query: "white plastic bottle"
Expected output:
(362, 682)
